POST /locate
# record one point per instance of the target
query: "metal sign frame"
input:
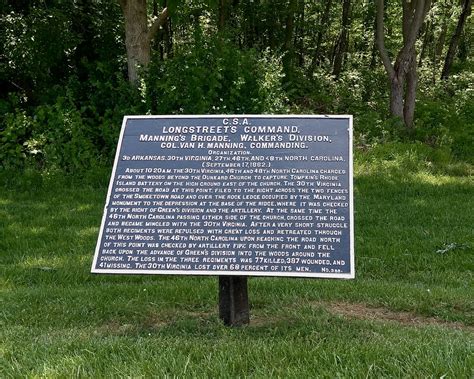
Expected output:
(349, 275)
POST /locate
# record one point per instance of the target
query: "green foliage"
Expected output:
(63, 87)
(12, 138)
(78, 131)
(444, 116)
(42, 43)
(406, 157)
(33, 51)
(66, 141)
(54, 138)
(103, 100)
(211, 75)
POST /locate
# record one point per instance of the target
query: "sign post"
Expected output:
(233, 300)
(230, 196)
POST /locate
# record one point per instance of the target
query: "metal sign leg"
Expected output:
(233, 300)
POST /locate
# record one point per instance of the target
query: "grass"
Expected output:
(409, 312)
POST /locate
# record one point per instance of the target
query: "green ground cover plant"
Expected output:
(408, 313)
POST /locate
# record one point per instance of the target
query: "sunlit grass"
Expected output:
(58, 320)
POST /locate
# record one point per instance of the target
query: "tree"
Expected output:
(427, 38)
(402, 74)
(138, 36)
(439, 45)
(223, 14)
(342, 41)
(324, 21)
(288, 42)
(453, 45)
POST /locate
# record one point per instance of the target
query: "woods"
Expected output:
(398, 195)
(70, 71)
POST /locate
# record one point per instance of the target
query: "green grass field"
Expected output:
(408, 313)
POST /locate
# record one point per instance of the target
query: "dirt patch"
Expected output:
(365, 312)
(167, 318)
(152, 321)
(115, 328)
(359, 311)
(266, 320)
(156, 321)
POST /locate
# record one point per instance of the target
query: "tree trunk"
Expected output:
(138, 36)
(373, 56)
(137, 42)
(341, 46)
(426, 39)
(168, 38)
(273, 25)
(441, 40)
(223, 14)
(464, 47)
(250, 29)
(370, 22)
(448, 62)
(288, 41)
(410, 93)
(396, 96)
(324, 23)
(300, 34)
(402, 98)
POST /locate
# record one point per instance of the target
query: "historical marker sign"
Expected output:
(230, 195)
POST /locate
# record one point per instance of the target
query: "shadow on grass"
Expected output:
(400, 221)
(48, 235)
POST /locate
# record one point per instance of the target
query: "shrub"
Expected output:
(211, 75)
(13, 134)
(54, 138)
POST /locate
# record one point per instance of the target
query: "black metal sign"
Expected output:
(230, 195)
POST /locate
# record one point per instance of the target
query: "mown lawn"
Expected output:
(409, 312)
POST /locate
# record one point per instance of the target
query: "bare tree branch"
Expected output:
(158, 23)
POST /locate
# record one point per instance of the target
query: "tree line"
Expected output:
(233, 55)
(402, 73)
